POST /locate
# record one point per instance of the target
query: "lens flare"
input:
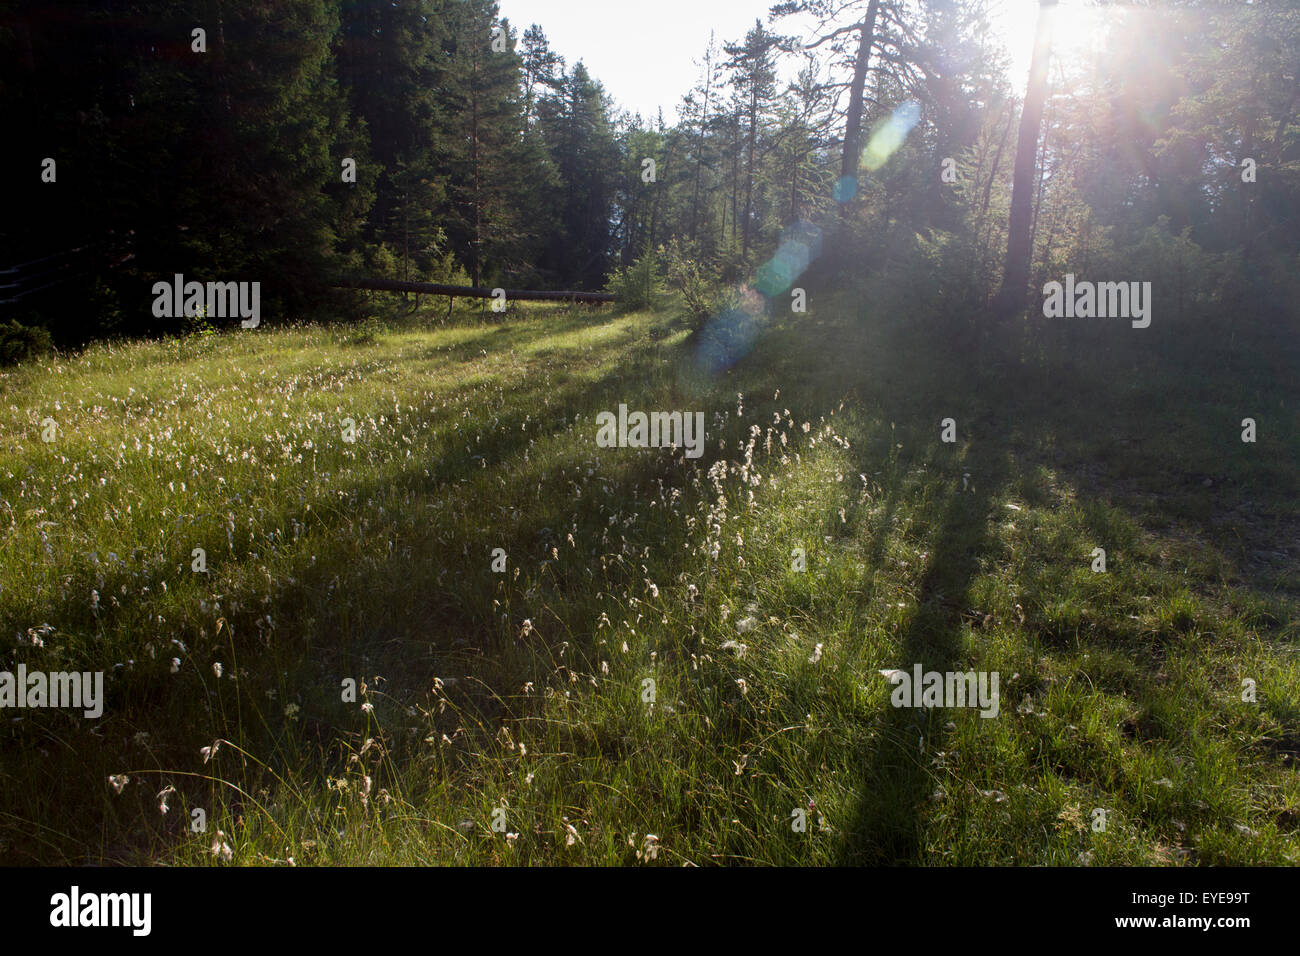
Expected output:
(728, 337)
(889, 134)
(800, 244)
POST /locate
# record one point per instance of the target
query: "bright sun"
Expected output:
(1076, 26)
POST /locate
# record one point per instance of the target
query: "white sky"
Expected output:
(642, 50)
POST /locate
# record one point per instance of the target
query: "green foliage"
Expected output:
(197, 324)
(366, 332)
(696, 283)
(1119, 690)
(383, 264)
(640, 285)
(577, 126)
(1184, 277)
(21, 343)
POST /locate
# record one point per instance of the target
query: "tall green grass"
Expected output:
(652, 679)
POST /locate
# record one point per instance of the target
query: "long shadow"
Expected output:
(886, 827)
(1062, 412)
(436, 619)
(887, 824)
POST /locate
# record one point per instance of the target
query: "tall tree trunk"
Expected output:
(749, 169)
(735, 174)
(857, 94)
(997, 163)
(704, 122)
(1038, 209)
(794, 190)
(1015, 274)
(478, 203)
(654, 206)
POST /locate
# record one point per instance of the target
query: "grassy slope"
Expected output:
(372, 560)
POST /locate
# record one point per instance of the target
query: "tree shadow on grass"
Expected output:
(886, 825)
(425, 625)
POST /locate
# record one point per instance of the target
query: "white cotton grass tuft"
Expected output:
(649, 848)
(220, 848)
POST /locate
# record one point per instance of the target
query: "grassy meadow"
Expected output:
(656, 677)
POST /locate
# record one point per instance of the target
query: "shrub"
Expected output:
(640, 285)
(366, 332)
(694, 279)
(21, 343)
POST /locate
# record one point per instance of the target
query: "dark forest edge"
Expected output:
(434, 142)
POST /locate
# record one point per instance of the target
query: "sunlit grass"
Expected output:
(525, 691)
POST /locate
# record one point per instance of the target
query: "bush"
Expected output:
(366, 332)
(20, 343)
(1183, 275)
(640, 285)
(695, 280)
(104, 310)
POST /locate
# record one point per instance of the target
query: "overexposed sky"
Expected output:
(643, 50)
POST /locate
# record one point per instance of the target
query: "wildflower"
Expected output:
(35, 634)
(649, 847)
(216, 668)
(220, 848)
(744, 687)
(210, 752)
(162, 798)
(119, 782)
(816, 654)
(527, 628)
(176, 665)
